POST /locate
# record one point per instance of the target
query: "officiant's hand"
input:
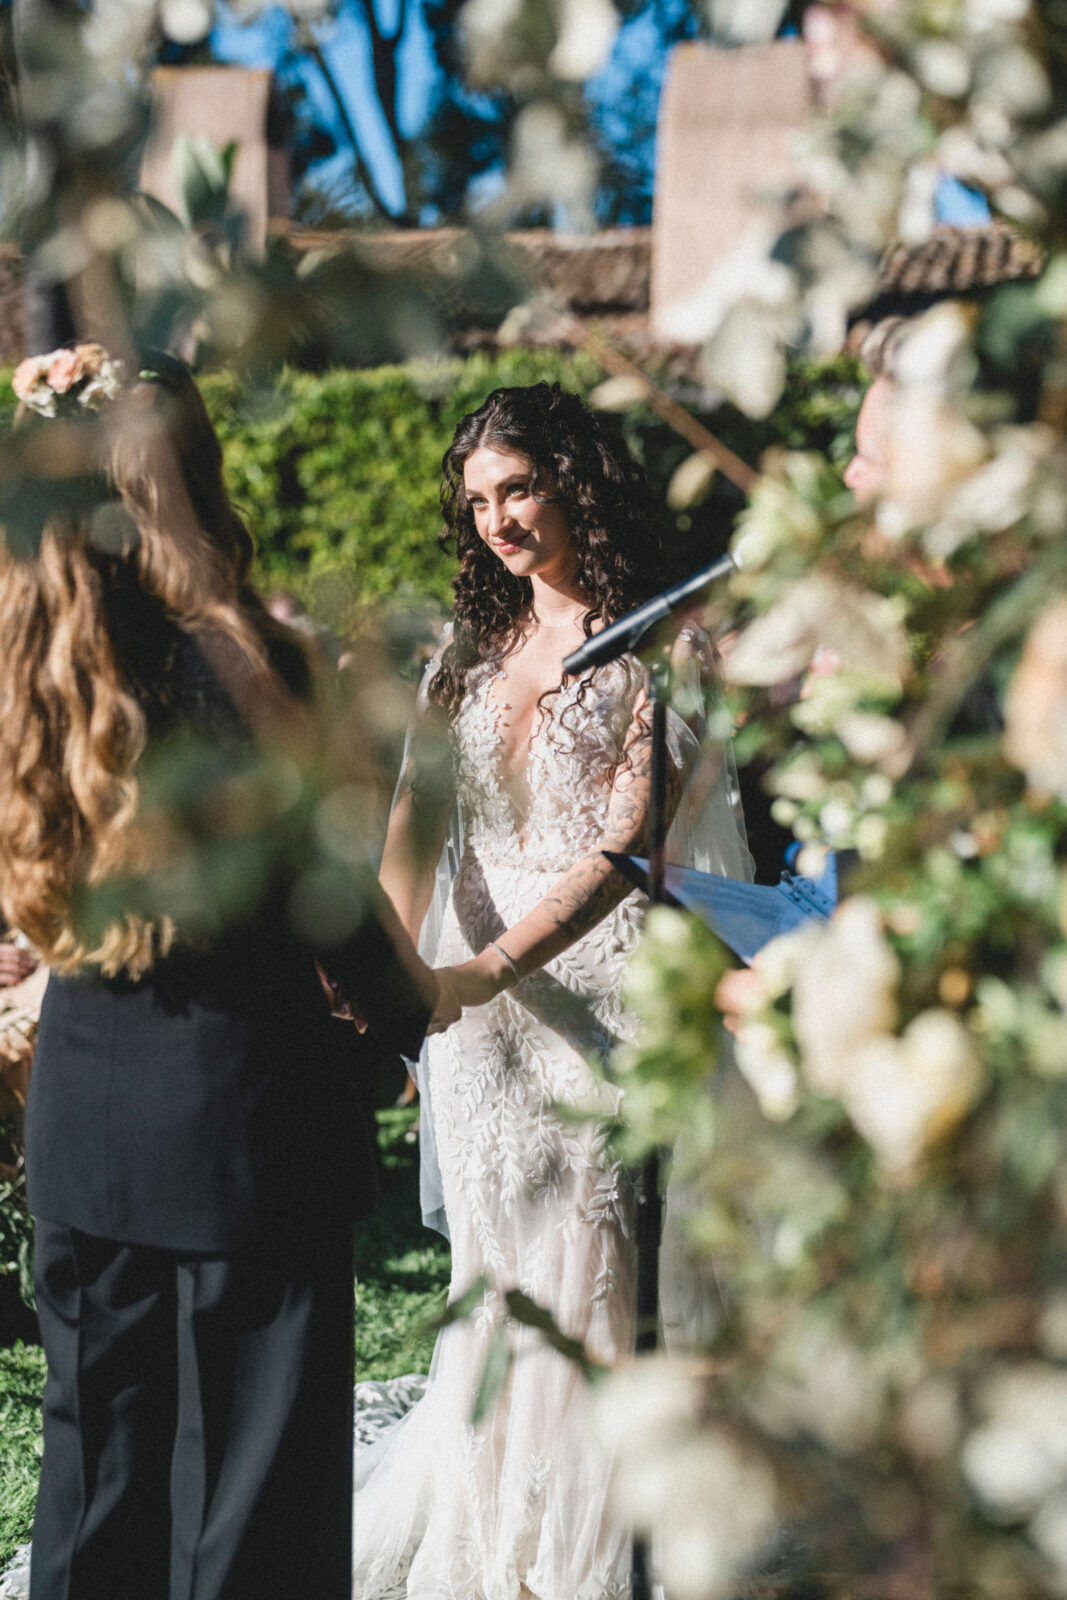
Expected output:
(15, 964)
(447, 1007)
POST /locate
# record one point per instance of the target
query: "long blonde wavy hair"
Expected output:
(72, 722)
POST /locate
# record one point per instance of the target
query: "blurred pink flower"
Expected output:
(64, 371)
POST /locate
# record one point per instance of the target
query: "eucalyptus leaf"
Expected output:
(498, 1361)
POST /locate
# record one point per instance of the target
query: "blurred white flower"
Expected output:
(1017, 1458)
(1035, 707)
(979, 14)
(619, 393)
(690, 481)
(708, 1503)
(1011, 77)
(745, 357)
(801, 780)
(964, 154)
(944, 67)
(118, 28)
(587, 30)
(551, 166)
(918, 204)
(186, 21)
(932, 448)
(774, 518)
(906, 1094)
(870, 835)
(768, 1069)
(745, 21)
(1049, 1531)
(484, 28)
(819, 1382)
(870, 737)
(747, 273)
(935, 352)
(931, 1418)
(998, 494)
(844, 994)
(862, 628)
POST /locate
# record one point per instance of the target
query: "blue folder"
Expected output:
(745, 916)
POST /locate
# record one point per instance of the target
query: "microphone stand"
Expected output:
(620, 638)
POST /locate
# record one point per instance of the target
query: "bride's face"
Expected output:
(531, 537)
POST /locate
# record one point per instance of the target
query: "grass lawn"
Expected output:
(21, 1383)
(403, 1281)
(402, 1268)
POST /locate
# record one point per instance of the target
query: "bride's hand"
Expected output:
(475, 983)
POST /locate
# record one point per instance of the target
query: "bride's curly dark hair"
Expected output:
(615, 524)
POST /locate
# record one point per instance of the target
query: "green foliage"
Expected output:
(16, 1240)
(21, 1387)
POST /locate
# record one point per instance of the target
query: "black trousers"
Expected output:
(197, 1423)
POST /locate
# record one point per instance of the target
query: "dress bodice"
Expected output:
(576, 744)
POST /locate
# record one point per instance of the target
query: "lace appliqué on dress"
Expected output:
(515, 1509)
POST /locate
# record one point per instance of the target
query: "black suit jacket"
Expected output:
(216, 1101)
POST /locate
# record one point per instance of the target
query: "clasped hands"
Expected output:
(469, 983)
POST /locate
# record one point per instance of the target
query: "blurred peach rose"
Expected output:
(28, 375)
(65, 369)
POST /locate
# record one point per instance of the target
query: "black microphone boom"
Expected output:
(627, 634)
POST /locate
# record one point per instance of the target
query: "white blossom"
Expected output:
(1018, 1457)
(708, 1502)
(845, 993)
(906, 1094)
(587, 30)
(863, 630)
(768, 1069)
(1035, 708)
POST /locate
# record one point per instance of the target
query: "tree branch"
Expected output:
(314, 50)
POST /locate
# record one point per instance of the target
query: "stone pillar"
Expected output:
(726, 120)
(224, 105)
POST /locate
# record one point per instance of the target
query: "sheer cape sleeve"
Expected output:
(431, 1191)
(708, 834)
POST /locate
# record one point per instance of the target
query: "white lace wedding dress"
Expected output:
(515, 1508)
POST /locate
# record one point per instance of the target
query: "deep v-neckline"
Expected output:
(513, 777)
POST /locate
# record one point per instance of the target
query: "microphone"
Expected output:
(626, 634)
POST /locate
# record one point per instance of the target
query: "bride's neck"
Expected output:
(555, 606)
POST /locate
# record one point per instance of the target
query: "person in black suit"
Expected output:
(197, 1139)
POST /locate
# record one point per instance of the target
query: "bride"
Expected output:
(556, 535)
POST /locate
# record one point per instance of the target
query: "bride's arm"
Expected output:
(586, 892)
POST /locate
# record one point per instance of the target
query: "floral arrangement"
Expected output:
(82, 375)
